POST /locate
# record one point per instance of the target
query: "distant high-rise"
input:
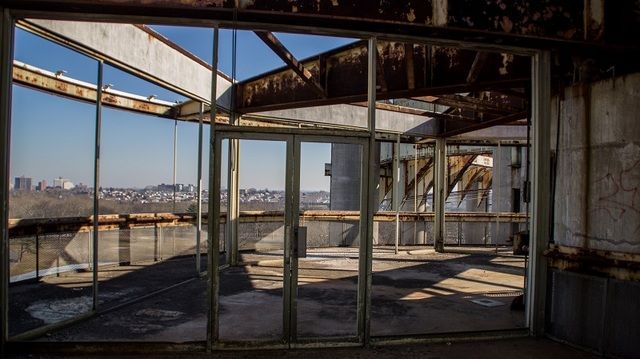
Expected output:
(42, 186)
(62, 183)
(22, 183)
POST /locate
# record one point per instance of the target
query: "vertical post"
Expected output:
(415, 178)
(213, 204)
(396, 190)
(541, 204)
(6, 60)
(175, 161)
(497, 179)
(96, 184)
(439, 193)
(415, 193)
(124, 245)
(199, 189)
(37, 256)
(367, 204)
(233, 198)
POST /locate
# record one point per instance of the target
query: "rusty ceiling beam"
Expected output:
(428, 70)
(285, 55)
(469, 103)
(521, 23)
(463, 128)
(57, 84)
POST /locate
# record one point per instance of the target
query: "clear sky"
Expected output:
(53, 136)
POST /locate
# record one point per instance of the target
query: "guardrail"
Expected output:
(46, 246)
(33, 226)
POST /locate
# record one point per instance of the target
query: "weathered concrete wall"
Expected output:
(597, 200)
(597, 206)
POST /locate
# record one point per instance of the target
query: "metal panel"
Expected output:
(577, 309)
(621, 333)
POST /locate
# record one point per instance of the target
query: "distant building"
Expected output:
(42, 186)
(22, 183)
(165, 187)
(62, 183)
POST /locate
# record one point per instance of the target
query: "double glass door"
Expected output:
(289, 235)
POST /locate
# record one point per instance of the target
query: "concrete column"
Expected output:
(344, 191)
(124, 246)
(439, 193)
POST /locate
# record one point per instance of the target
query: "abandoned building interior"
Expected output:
(449, 170)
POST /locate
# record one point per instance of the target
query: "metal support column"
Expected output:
(541, 190)
(213, 205)
(396, 190)
(233, 198)
(415, 192)
(439, 193)
(367, 204)
(6, 63)
(175, 161)
(96, 185)
(199, 189)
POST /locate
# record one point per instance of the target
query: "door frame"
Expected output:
(293, 137)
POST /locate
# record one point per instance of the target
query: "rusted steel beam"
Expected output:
(49, 82)
(484, 124)
(583, 25)
(619, 265)
(279, 49)
(493, 105)
(428, 70)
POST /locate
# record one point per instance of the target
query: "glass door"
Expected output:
(289, 220)
(326, 239)
(253, 196)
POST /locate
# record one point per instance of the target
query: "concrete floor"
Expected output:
(415, 291)
(528, 348)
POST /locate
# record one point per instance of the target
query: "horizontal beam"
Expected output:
(460, 129)
(279, 49)
(526, 24)
(428, 70)
(49, 82)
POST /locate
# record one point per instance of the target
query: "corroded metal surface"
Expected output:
(405, 70)
(60, 85)
(619, 265)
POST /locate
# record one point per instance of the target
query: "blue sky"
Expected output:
(53, 136)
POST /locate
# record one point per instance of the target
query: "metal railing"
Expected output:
(50, 246)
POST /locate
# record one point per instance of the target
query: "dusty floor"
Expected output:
(509, 348)
(415, 291)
